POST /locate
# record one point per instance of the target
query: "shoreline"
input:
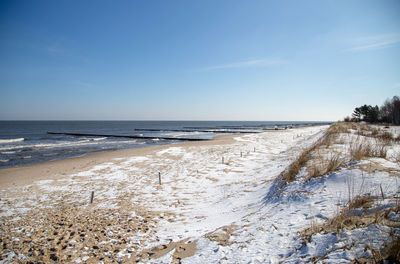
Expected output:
(27, 174)
(17, 176)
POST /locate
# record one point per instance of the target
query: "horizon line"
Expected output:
(166, 120)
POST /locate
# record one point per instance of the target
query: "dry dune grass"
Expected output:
(360, 149)
(347, 219)
(316, 165)
(332, 152)
(290, 174)
(369, 143)
(376, 133)
(340, 127)
(326, 166)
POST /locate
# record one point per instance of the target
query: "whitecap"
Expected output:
(9, 152)
(97, 139)
(11, 140)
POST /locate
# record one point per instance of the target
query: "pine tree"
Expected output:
(357, 114)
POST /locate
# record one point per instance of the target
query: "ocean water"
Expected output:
(27, 142)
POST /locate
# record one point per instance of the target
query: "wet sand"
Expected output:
(19, 176)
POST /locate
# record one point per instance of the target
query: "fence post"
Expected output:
(91, 197)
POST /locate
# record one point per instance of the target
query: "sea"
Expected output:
(29, 142)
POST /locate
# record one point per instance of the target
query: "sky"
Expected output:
(196, 60)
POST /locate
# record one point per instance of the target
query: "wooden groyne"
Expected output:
(201, 130)
(124, 136)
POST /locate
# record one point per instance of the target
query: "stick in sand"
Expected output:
(91, 197)
(159, 178)
(383, 196)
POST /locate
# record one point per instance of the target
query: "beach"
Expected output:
(182, 132)
(54, 169)
(25, 143)
(196, 202)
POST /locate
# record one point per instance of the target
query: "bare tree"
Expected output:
(386, 111)
(390, 111)
(396, 110)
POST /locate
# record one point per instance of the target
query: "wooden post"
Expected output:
(91, 197)
(159, 178)
(222, 160)
(240, 154)
(254, 149)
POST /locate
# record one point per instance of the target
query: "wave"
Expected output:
(4, 160)
(85, 142)
(97, 139)
(49, 154)
(9, 152)
(11, 140)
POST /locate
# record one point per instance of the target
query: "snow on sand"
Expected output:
(212, 206)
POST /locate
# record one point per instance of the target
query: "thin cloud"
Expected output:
(54, 50)
(245, 64)
(60, 48)
(86, 84)
(374, 42)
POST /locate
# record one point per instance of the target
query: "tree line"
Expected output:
(389, 113)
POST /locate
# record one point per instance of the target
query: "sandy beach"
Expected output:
(226, 132)
(212, 204)
(54, 169)
(125, 183)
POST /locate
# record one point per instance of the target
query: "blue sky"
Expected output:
(196, 60)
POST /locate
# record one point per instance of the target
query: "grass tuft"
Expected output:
(364, 149)
(290, 174)
(381, 151)
(325, 167)
(359, 150)
(339, 127)
(386, 137)
(334, 163)
(360, 201)
(345, 218)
